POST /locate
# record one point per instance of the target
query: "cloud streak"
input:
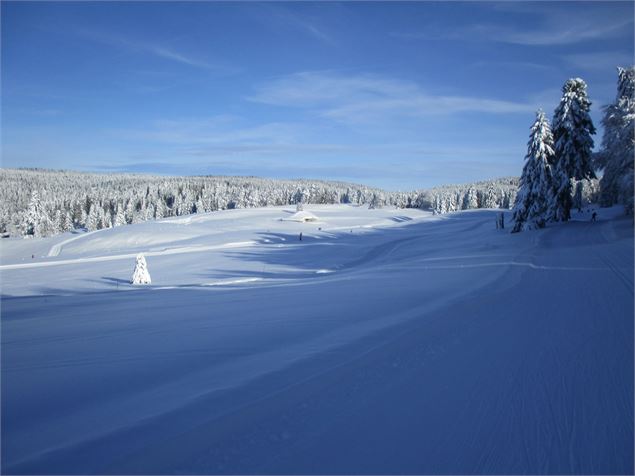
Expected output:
(554, 34)
(155, 49)
(556, 26)
(602, 61)
(363, 97)
(281, 17)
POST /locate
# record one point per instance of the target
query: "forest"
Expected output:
(39, 202)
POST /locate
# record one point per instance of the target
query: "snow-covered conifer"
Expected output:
(470, 200)
(68, 222)
(129, 211)
(619, 128)
(140, 274)
(534, 191)
(572, 130)
(148, 213)
(92, 220)
(58, 224)
(33, 224)
(102, 220)
(160, 210)
(120, 217)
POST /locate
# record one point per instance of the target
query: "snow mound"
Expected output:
(301, 216)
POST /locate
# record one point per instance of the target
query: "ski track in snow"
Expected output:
(440, 347)
(57, 248)
(97, 259)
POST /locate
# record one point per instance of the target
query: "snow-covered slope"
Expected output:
(386, 341)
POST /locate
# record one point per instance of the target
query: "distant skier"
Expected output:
(594, 216)
(300, 236)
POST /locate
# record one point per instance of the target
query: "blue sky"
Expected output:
(398, 95)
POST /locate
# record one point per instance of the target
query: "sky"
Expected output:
(399, 95)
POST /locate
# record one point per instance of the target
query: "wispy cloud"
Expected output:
(364, 97)
(515, 65)
(605, 60)
(219, 131)
(282, 17)
(219, 136)
(552, 26)
(169, 54)
(157, 49)
(555, 34)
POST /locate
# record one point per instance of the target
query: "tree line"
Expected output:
(38, 202)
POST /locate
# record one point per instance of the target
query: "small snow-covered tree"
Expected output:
(534, 191)
(58, 226)
(140, 274)
(470, 200)
(68, 222)
(92, 220)
(299, 206)
(120, 217)
(148, 213)
(572, 130)
(375, 201)
(103, 221)
(618, 142)
(129, 212)
(36, 222)
(160, 210)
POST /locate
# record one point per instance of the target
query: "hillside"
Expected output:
(387, 341)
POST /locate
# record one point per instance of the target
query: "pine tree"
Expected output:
(102, 221)
(161, 211)
(572, 130)
(59, 222)
(92, 220)
(535, 187)
(374, 202)
(470, 200)
(33, 224)
(130, 211)
(140, 274)
(120, 217)
(148, 213)
(68, 222)
(618, 140)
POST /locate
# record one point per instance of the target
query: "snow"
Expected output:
(386, 341)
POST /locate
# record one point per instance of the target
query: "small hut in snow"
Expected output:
(301, 216)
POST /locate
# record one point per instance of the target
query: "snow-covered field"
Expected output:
(385, 341)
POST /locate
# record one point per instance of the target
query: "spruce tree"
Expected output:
(140, 275)
(92, 220)
(618, 140)
(120, 217)
(160, 210)
(68, 222)
(532, 200)
(35, 219)
(572, 130)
